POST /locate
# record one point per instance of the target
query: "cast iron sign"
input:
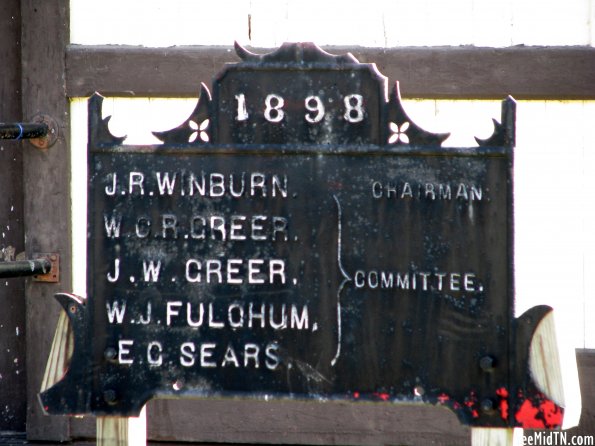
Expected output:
(300, 237)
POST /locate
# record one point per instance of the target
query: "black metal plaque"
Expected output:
(300, 237)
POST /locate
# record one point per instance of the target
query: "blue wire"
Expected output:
(21, 132)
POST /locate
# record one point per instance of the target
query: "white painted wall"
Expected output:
(380, 23)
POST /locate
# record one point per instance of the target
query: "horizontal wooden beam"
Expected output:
(424, 72)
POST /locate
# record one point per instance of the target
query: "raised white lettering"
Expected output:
(151, 270)
(116, 311)
(124, 351)
(112, 225)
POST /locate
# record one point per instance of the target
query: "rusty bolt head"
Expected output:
(45, 142)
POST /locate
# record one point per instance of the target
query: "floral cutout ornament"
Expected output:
(199, 131)
(399, 133)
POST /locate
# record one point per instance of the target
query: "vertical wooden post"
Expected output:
(121, 431)
(12, 317)
(46, 178)
(60, 354)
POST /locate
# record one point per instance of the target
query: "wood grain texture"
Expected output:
(12, 317)
(491, 437)
(424, 72)
(303, 423)
(46, 176)
(544, 361)
(60, 353)
(120, 431)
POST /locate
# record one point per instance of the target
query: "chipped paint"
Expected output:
(471, 403)
(540, 414)
(382, 395)
(8, 253)
(503, 404)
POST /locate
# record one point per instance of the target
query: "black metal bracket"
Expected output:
(43, 268)
(42, 132)
(22, 130)
(53, 275)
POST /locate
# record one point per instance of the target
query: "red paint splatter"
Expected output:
(545, 416)
(503, 393)
(382, 396)
(552, 413)
(504, 409)
(526, 416)
(470, 402)
(443, 398)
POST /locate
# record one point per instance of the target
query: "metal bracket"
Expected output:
(53, 276)
(47, 141)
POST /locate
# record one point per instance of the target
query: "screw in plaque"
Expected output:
(110, 354)
(110, 396)
(487, 364)
(487, 405)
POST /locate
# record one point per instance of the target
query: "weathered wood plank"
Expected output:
(120, 431)
(544, 361)
(424, 72)
(491, 437)
(303, 423)
(46, 189)
(60, 354)
(12, 317)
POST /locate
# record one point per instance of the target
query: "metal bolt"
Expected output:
(109, 396)
(110, 353)
(47, 141)
(487, 364)
(487, 405)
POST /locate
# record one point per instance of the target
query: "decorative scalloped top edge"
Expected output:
(504, 133)
(195, 127)
(295, 52)
(99, 132)
(401, 130)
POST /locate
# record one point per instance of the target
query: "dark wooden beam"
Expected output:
(424, 72)
(328, 423)
(13, 402)
(46, 177)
